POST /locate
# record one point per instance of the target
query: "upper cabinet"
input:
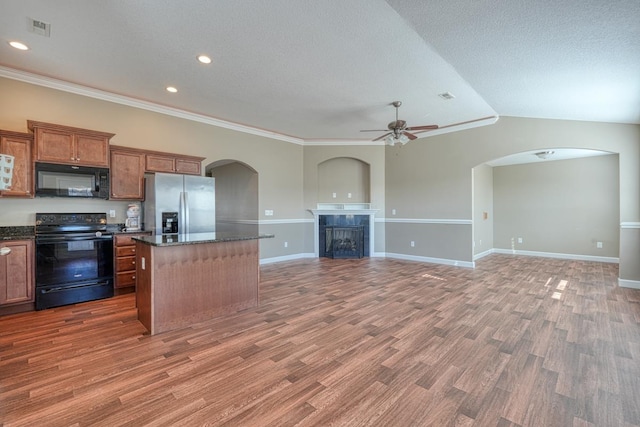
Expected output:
(173, 163)
(128, 166)
(127, 174)
(20, 146)
(69, 145)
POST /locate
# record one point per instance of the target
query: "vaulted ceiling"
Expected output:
(313, 71)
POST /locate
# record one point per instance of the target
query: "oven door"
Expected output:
(78, 257)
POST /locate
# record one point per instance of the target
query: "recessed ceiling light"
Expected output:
(204, 59)
(19, 45)
(171, 89)
(446, 95)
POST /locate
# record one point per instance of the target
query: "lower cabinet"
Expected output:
(125, 260)
(16, 272)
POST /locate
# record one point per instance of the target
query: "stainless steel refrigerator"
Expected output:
(179, 204)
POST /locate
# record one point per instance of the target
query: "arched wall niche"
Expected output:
(236, 195)
(344, 180)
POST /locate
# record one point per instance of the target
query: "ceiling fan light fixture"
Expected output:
(390, 140)
(544, 154)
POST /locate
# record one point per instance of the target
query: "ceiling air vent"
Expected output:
(39, 27)
(446, 95)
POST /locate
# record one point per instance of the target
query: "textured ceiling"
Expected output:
(318, 70)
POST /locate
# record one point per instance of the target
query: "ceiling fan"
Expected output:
(399, 129)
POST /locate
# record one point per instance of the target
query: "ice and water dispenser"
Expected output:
(169, 222)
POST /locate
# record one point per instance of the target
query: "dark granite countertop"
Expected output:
(25, 232)
(197, 238)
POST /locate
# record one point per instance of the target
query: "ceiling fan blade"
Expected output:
(426, 127)
(383, 136)
(374, 130)
(410, 135)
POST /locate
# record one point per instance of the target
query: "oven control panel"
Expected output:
(71, 219)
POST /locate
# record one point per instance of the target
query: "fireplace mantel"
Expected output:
(343, 209)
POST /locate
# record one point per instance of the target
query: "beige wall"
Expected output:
(430, 178)
(483, 214)
(279, 164)
(343, 177)
(373, 156)
(562, 206)
(425, 181)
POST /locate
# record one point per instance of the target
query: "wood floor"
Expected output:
(519, 341)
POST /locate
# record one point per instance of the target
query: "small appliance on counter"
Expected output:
(132, 222)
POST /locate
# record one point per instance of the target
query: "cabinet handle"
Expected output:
(133, 277)
(133, 262)
(5, 251)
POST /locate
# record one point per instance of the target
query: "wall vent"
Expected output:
(39, 27)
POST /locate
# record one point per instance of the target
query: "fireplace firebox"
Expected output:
(344, 241)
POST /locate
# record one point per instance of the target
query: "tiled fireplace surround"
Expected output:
(343, 214)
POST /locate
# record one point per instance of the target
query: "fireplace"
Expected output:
(344, 242)
(343, 215)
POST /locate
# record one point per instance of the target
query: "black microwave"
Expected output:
(53, 180)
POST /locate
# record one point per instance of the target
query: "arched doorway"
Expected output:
(236, 195)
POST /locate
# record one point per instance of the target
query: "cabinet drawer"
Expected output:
(125, 251)
(127, 239)
(126, 263)
(127, 278)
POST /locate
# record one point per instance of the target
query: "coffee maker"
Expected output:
(132, 222)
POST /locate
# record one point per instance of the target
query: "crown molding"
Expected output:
(77, 89)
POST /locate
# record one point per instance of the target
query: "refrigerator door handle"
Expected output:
(185, 211)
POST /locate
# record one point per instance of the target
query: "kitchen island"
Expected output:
(188, 278)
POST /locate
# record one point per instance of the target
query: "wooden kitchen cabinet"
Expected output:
(125, 259)
(127, 174)
(16, 272)
(20, 146)
(69, 145)
(173, 163)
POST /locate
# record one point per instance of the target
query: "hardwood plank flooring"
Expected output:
(517, 341)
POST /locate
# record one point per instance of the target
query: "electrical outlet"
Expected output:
(286, 244)
(348, 195)
(519, 239)
(393, 211)
(112, 213)
(599, 245)
(268, 212)
(335, 195)
(413, 244)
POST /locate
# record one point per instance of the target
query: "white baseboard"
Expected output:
(286, 258)
(482, 254)
(444, 261)
(633, 284)
(611, 260)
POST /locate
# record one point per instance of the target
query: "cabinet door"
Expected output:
(16, 272)
(54, 146)
(127, 175)
(20, 148)
(189, 167)
(156, 163)
(91, 150)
